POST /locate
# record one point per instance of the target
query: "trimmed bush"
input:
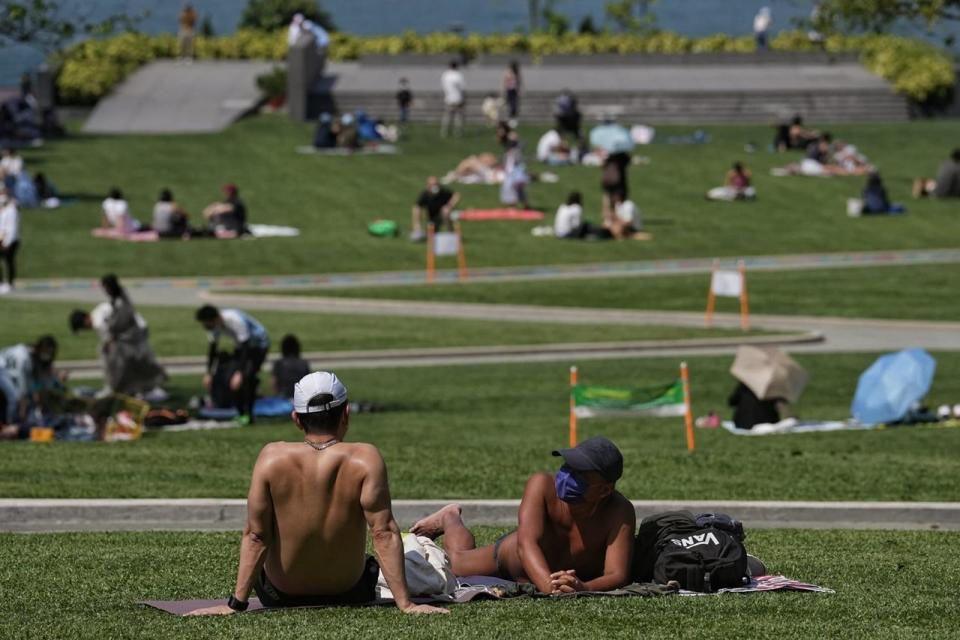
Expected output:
(918, 70)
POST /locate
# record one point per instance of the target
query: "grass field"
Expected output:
(479, 431)
(917, 292)
(174, 332)
(888, 585)
(332, 200)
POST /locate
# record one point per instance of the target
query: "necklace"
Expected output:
(320, 446)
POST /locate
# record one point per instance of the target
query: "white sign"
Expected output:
(446, 243)
(727, 284)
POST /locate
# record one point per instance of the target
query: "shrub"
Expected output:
(273, 84)
(91, 68)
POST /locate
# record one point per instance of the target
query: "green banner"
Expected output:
(592, 400)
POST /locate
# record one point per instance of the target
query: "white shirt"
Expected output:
(761, 22)
(548, 142)
(627, 213)
(9, 224)
(567, 219)
(117, 212)
(240, 327)
(11, 165)
(453, 85)
(17, 363)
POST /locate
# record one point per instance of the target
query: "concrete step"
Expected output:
(665, 107)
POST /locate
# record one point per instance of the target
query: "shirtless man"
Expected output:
(304, 540)
(575, 530)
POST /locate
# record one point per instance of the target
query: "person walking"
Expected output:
(404, 98)
(453, 84)
(511, 89)
(9, 238)
(187, 21)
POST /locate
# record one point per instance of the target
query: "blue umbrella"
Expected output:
(612, 138)
(891, 385)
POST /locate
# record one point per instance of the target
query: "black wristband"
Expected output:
(237, 605)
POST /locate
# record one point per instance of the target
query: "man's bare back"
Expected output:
(304, 540)
(316, 503)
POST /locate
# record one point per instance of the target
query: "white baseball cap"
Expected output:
(316, 384)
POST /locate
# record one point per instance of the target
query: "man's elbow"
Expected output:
(256, 537)
(385, 532)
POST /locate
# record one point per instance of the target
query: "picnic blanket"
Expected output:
(500, 214)
(792, 425)
(378, 149)
(116, 234)
(272, 231)
(473, 588)
(196, 425)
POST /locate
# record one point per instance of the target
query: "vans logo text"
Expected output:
(696, 540)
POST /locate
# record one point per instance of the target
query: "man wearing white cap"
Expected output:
(308, 505)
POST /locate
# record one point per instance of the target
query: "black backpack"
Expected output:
(703, 556)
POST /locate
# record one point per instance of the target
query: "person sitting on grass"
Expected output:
(436, 203)
(251, 345)
(228, 217)
(626, 222)
(575, 530)
(169, 218)
(116, 214)
(875, 199)
(24, 368)
(736, 186)
(289, 369)
(304, 542)
(325, 135)
(947, 183)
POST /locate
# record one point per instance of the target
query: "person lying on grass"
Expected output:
(304, 542)
(575, 530)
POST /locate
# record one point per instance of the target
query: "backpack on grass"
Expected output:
(702, 554)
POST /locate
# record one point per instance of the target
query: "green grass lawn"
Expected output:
(174, 332)
(480, 431)
(888, 585)
(917, 292)
(332, 200)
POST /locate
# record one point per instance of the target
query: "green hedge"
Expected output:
(90, 69)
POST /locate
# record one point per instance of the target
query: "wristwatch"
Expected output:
(237, 605)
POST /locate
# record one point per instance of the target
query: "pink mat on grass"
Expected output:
(136, 236)
(501, 214)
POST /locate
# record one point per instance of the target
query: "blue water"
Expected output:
(690, 17)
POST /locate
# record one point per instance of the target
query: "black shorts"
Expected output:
(364, 591)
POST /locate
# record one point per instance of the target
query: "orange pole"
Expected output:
(461, 254)
(431, 266)
(744, 299)
(711, 298)
(688, 408)
(573, 413)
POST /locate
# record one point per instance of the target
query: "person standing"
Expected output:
(251, 343)
(188, 21)
(9, 238)
(404, 98)
(454, 85)
(761, 28)
(511, 89)
(11, 166)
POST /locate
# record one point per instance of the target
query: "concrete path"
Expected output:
(172, 97)
(669, 266)
(24, 515)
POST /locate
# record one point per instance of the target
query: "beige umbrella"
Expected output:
(769, 373)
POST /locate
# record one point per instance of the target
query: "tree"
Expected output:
(271, 15)
(557, 24)
(633, 16)
(42, 24)
(879, 15)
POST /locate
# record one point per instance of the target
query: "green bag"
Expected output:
(384, 229)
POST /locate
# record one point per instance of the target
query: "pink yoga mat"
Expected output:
(501, 214)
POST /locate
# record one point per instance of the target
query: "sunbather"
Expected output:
(228, 216)
(309, 502)
(947, 182)
(736, 186)
(575, 530)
